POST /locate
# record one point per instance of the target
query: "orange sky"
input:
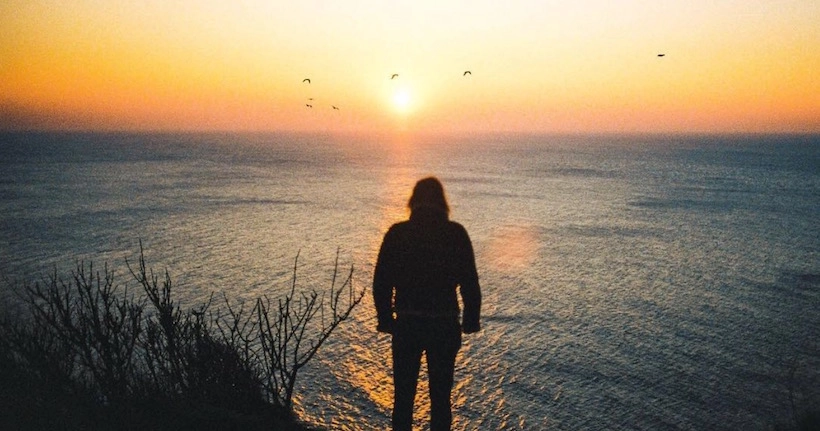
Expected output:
(537, 66)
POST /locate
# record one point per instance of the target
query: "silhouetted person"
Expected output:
(421, 263)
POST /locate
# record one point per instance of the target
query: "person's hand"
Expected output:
(470, 328)
(385, 327)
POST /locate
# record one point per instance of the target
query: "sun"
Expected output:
(402, 100)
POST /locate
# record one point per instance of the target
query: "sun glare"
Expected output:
(402, 100)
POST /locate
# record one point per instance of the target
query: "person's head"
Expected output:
(429, 193)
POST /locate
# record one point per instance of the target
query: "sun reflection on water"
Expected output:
(371, 374)
(369, 368)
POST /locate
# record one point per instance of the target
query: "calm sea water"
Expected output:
(630, 283)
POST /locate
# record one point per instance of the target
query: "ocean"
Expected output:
(630, 282)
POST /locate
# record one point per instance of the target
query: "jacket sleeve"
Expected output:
(470, 289)
(383, 284)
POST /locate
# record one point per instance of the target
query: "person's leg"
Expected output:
(441, 360)
(406, 363)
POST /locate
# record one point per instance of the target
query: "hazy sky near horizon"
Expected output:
(536, 66)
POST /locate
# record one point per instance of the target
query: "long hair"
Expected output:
(429, 193)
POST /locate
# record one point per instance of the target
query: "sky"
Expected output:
(541, 66)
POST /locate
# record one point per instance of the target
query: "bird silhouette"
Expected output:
(467, 72)
(334, 107)
(395, 75)
(661, 55)
(308, 105)
(306, 80)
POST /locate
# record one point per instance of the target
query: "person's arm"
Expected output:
(470, 289)
(383, 285)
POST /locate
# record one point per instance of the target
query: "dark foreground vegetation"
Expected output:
(86, 353)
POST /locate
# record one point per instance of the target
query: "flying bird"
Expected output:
(334, 107)
(306, 80)
(395, 75)
(661, 55)
(308, 105)
(467, 72)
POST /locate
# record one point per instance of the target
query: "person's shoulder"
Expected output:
(401, 224)
(455, 224)
(398, 227)
(457, 227)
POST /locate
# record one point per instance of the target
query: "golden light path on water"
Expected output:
(379, 387)
(367, 367)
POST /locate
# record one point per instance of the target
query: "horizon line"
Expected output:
(404, 133)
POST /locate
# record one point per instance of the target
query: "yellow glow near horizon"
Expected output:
(537, 66)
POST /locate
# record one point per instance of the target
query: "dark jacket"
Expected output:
(424, 259)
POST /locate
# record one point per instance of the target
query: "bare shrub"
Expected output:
(87, 337)
(290, 333)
